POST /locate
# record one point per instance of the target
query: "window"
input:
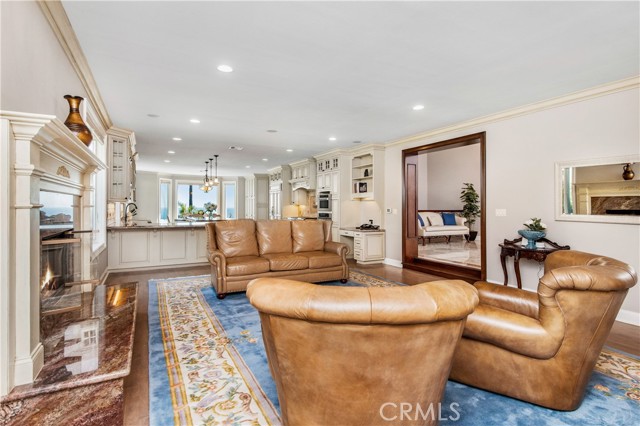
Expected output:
(165, 200)
(191, 200)
(229, 200)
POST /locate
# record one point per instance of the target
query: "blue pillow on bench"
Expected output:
(420, 220)
(449, 218)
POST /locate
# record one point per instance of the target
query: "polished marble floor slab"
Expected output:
(456, 252)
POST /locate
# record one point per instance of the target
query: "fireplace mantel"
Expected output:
(36, 152)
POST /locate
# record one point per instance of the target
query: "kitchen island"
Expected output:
(156, 245)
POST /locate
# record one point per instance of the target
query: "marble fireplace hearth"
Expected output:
(87, 354)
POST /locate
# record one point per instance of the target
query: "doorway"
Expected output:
(434, 176)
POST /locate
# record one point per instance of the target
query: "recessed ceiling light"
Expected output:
(167, 161)
(224, 68)
(289, 150)
(272, 131)
(237, 148)
(194, 121)
(418, 107)
(153, 115)
(357, 141)
(265, 159)
(248, 167)
(332, 138)
(171, 152)
(177, 139)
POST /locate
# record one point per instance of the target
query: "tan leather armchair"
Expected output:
(542, 347)
(339, 354)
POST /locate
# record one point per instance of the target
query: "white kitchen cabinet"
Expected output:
(279, 190)
(367, 246)
(154, 247)
(257, 197)
(303, 174)
(121, 159)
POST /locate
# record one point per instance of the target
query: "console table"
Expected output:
(515, 249)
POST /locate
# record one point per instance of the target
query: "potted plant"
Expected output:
(470, 207)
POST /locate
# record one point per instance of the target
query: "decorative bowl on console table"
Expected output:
(532, 237)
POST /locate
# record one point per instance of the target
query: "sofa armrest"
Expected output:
(337, 248)
(511, 331)
(508, 298)
(218, 259)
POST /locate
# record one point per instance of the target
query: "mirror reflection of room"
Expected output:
(608, 189)
(444, 235)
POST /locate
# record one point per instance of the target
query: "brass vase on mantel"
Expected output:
(74, 120)
(627, 172)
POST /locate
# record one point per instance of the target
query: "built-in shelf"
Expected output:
(366, 183)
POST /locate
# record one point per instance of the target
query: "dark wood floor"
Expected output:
(624, 337)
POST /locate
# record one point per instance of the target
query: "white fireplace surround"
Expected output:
(37, 152)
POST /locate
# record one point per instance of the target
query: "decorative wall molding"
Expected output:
(57, 17)
(62, 171)
(583, 95)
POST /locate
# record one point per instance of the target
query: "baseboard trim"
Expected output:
(392, 262)
(153, 268)
(628, 317)
(27, 369)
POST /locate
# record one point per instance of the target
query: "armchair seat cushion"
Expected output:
(246, 265)
(286, 261)
(322, 259)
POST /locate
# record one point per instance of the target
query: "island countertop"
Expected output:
(151, 226)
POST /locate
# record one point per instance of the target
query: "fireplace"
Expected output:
(40, 156)
(616, 205)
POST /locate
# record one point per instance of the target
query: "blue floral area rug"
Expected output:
(207, 366)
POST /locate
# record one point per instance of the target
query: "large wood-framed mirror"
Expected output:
(434, 176)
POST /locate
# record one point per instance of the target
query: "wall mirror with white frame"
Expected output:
(605, 190)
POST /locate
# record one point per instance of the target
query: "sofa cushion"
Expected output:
(274, 236)
(322, 259)
(449, 218)
(286, 261)
(308, 235)
(435, 219)
(246, 265)
(237, 237)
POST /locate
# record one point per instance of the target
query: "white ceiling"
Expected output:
(352, 70)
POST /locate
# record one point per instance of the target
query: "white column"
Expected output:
(7, 335)
(25, 258)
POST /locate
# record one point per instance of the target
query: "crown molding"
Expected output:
(580, 96)
(55, 14)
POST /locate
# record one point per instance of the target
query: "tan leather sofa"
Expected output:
(354, 355)
(542, 347)
(242, 250)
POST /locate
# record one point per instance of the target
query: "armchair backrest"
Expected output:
(338, 354)
(580, 295)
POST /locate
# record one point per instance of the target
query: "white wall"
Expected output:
(36, 73)
(520, 156)
(447, 171)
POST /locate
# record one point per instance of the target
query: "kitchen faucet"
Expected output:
(133, 212)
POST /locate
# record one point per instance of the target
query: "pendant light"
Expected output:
(216, 181)
(205, 186)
